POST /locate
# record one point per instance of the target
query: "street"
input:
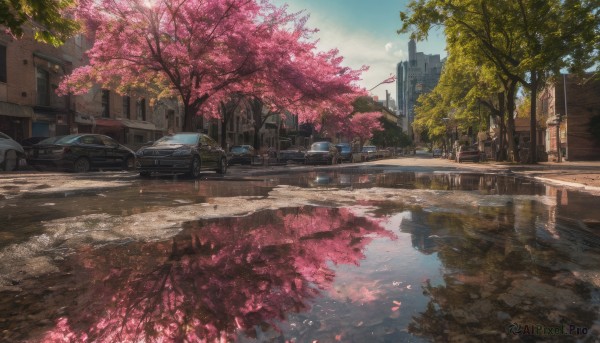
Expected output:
(406, 249)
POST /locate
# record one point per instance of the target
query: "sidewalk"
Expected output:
(578, 175)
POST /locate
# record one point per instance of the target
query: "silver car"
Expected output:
(11, 153)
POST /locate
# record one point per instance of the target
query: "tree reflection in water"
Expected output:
(502, 268)
(215, 280)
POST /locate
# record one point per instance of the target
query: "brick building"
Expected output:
(569, 124)
(30, 73)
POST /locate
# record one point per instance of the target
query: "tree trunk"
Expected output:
(224, 134)
(533, 119)
(510, 110)
(502, 111)
(226, 116)
(256, 106)
(188, 119)
(502, 144)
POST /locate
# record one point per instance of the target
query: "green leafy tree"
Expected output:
(527, 40)
(52, 21)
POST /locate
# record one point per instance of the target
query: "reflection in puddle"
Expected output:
(478, 258)
(215, 280)
(486, 184)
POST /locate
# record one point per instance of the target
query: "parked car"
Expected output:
(81, 153)
(294, 153)
(241, 154)
(27, 143)
(345, 151)
(369, 152)
(185, 152)
(11, 153)
(322, 152)
(468, 153)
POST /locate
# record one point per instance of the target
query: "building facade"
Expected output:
(570, 104)
(30, 73)
(419, 75)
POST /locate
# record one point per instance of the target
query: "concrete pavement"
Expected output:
(584, 176)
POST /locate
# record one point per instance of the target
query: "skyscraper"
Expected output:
(420, 74)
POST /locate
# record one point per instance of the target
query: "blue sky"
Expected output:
(365, 33)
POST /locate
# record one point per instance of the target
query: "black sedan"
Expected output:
(81, 153)
(186, 152)
(322, 152)
(293, 153)
(242, 154)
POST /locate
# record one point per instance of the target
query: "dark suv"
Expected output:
(186, 152)
(322, 152)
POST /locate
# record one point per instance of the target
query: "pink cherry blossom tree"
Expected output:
(363, 125)
(204, 50)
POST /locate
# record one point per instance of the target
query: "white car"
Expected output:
(11, 153)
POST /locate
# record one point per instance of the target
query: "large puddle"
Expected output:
(390, 257)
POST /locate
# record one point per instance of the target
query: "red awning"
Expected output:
(109, 123)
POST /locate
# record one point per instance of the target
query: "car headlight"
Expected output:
(182, 152)
(139, 153)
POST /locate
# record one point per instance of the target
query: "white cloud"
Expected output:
(362, 48)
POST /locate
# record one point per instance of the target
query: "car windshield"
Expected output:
(344, 147)
(69, 139)
(180, 138)
(240, 149)
(320, 146)
(50, 140)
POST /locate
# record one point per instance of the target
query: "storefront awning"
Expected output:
(14, 110)
(121, 123)
(112, 123)
(138, 124)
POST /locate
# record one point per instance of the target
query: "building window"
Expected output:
(141, 109)
(2, 63)
(127, 107)
(43, 87)
(105, 103)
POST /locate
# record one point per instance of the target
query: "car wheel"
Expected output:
(145, 174)
(195, 167)
(82, 165)
(129, 163)
(11, 161)
(222, 166)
